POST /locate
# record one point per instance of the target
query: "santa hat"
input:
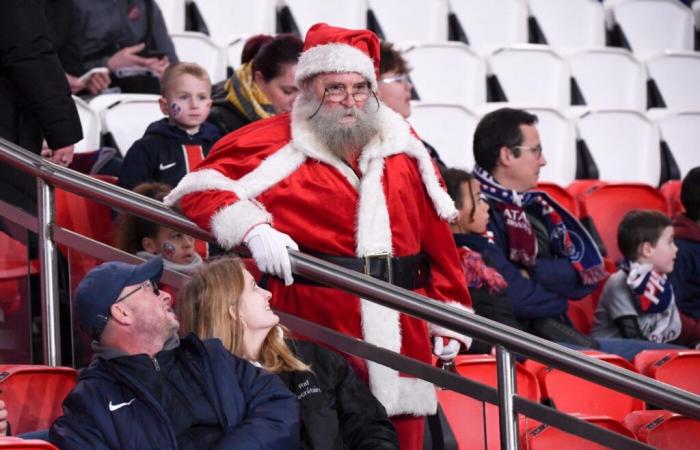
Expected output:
(336, 50)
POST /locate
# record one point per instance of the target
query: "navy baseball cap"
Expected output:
(100, 289)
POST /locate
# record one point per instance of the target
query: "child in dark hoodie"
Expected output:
(173, 146)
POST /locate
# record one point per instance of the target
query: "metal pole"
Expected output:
(50, 327)
(508, 421)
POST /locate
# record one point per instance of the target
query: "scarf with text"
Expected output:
(567, 237)
(652, 289)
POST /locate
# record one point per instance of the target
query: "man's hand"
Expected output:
(3, 419)
(160, 65)
(446, 352)
(128, 57)
(62, 156)
(269, 249)
(98, 82)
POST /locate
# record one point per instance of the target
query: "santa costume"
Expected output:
(392, 205)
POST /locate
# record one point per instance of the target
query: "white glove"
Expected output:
(446, 352)
(269, 249)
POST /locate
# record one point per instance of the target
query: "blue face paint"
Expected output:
(175, 110)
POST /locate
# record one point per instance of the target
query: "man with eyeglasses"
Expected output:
(146, 388)
(342, 177)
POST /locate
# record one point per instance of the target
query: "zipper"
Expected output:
(155, 364)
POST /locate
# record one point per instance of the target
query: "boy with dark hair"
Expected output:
(637, 300)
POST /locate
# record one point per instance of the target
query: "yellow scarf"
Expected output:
(245, 95)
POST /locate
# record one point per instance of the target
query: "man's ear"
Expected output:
(645, 250)
(149, 245)
(121, 313)
(505, 157)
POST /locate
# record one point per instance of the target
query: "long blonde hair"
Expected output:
(203, 308)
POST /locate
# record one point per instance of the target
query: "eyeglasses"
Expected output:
(536, 149)
(151, 283)
(338, 93)
(403, 78)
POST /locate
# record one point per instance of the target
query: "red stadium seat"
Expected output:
(466, 416)
(581, 311)
(664, 429)
(539, 436)
(671, 190)
(561, 195)
(576, 395)
(680, 368)
(578, 187)
(33, 394)
(608, 203)
(12, 443)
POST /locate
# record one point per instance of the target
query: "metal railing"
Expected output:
(507, 340)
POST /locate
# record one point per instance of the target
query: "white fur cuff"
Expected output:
(231, 223)
(437, 330)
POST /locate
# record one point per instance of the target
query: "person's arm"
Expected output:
(76, 428)
(138, 166)
(559, 276)
(629, 327)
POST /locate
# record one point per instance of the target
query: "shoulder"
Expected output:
(615, 286)
(266, 133)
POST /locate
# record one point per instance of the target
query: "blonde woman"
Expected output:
(337, 410)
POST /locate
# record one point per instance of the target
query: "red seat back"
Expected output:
(671, 190)
(539, 436)
(664, 429)
(581, 311)
(33, 394)
(12, 443)
(680, 368)
(561, 195)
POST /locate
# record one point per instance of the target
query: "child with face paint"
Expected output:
(174, 145)
(147, 239)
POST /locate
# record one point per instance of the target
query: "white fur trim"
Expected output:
(230, 224)
(201, 180)
(437, 330)
(335, 58)
(271, 171)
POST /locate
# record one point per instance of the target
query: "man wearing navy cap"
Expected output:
(146, 388)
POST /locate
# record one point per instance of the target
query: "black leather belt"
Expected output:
(409, 272)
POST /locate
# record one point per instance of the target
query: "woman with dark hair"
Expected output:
(262, 86)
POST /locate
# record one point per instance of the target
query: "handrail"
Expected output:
(377, 291)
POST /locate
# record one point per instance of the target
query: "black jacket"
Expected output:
(337, 411)
(160, 155)
(224, 115)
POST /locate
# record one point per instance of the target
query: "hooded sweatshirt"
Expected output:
(686, 270)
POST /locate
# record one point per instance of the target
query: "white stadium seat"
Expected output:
(173, 14)
(558, 138)
(92, 127)
(532, 74)
(229, 19)
(411, 20)
(341, 13)
(623, 144)
(610, 78)
(490, 24)
(234, 49)
(199, 48)
(652, 26)
(465, 81)
(681, 131)
(447, 127)
(677, 75)
(127, 116)
(570, 23)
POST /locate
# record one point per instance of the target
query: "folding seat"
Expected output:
(126, 116)
(558, 138)
(33, 394)
(540, 436)
(572, 394)
(465, 81)
(173, 12)
(560, 195)
(678, 368)
(681, 131)
(664, 429)
(201, 49)
(447, 127)
(475, 424)
(92, 127)
(227, 20)
(608, 203)
(490, 24)
(341, 13)
(623, 144)
(411, 20)
(234, 49)
(570, 24)
(651, 26)
(676, 74)
(532, 75)
(671, 190)
(15, 443)
(610, 78)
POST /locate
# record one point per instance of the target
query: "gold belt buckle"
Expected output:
(379, 255)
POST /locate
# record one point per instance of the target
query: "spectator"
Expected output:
(394, 89)
(262, 86)
(337, 410)
(147, 239)
(148, 389)
(637, 301)
(130, 38)
(173, 145)
(344, 178)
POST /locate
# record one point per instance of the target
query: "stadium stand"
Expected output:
(126, 116)
(558, 137)
(491, 24)
(92, 127)
(200, 48)
(344, 13)
(410, 20)
(663, 429)
(676, 76)
(230, 19)
(572, 24)
(675, 367)
(174, 14)
(538, 436)
(681, 132)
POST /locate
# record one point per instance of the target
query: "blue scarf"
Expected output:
(653, 291)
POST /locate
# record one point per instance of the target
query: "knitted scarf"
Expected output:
(653, 290)
(567, 237)
(478, 273)
(245, 95)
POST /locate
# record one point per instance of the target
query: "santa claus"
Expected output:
(342, 177)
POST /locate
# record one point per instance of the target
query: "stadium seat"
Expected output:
(671, 190)
(676, 74)
(539, 436)
(560, 195)
(126, 116)
(342, 13)
(558, 138)
(173, 12)
(33, 394)
(466, 416)
(610, 78)
(606, 204)
(678, 368)
(234, 49)
(570, 24)
(664, 429)
(623, 144)
(199, 48)
(532, 75)
(411, 20)
(681, 131)
(15, 443)
(491, 24)
(651, 26)
(464, 83)
(447, 127)
(227, 20)
(572, 394)
(92, 127)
